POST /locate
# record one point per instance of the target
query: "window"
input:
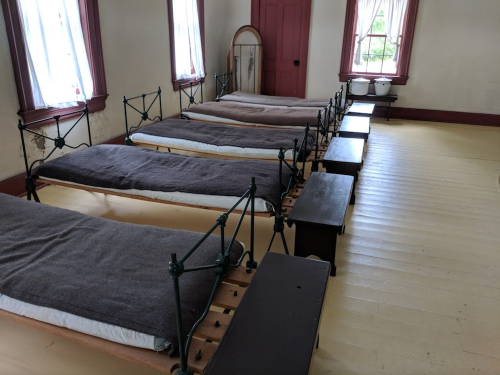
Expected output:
(187, 40)
(30, 84)
(378, 35)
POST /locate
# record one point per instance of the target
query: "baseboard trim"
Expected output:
(468, 118)
(15, 185)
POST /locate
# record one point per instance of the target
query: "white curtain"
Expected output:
(394, 11)
(188, 51)
(367, 11)
(57, 58)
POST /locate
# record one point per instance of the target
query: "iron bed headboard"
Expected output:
(191, 95)
(59, 143)
(224, 83)
(222, 264)
(144, 112)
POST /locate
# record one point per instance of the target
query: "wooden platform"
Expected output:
(319, 215)
(355, 127)
(225, 298)
(274, 330)
(345, 156)
(360, 109)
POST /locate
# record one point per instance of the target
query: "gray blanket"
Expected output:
(100, 269)
(257, 115)
(223, 135)
(285, 101)
(125, 167)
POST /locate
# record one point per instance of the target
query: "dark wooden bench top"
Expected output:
(373, 98)
(355, 127)
(324, 200)
(344, 150)
(361, 109)
(274, 329)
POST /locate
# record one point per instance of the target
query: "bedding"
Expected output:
(98, 269)
(222, 139)
(234, 113)
(159, 175)
(273, 101)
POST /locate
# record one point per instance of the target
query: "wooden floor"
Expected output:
(418, 270)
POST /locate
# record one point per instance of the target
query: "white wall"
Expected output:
(136, 50)
(454, 62)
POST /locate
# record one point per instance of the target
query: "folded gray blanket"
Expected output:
(257, 115)
(224, 135)
(285, 101)
(103, 270)
(125, 167)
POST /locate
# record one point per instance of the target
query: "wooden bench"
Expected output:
(355, 127)
(345, 156)
(319, 214)
(275, 328)
(372, 98)
(360, 109)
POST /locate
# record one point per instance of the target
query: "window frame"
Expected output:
(401, 77)
(89, 16)
(201, 21)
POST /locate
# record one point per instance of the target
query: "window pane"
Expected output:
(378, 26)
(374, 64)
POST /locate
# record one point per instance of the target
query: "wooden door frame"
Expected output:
(304, 41)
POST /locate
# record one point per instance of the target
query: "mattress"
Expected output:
(246, 98)
(223, 140)
(101, 270)
(216, 183)
(237, 114)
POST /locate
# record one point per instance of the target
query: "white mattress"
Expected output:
(223, 120)
(187, 145)
(76, 323)
(213, 201)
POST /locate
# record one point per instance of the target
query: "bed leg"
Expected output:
(279, 226)
(30, 186)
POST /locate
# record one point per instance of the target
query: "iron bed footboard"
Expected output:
(221, 267)
(191, 95)
(59, 143)
(144, 113)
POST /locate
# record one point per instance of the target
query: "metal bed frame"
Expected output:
(144, 113)
(297, 174)
(59, 143)
(221, 267)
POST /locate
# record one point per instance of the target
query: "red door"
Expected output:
(284, 27)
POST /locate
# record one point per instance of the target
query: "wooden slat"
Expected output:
(208, 330)
(225, 296)
(239, 276)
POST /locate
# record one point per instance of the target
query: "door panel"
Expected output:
(284, 27)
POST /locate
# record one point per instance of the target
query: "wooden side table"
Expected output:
(319, 215)
(345, 156)
(355, 127)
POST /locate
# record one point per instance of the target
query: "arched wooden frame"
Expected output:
(240, 31)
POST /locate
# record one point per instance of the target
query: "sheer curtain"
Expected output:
(394, 11)
(188, 51)
(57, 58)
(367, 11)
